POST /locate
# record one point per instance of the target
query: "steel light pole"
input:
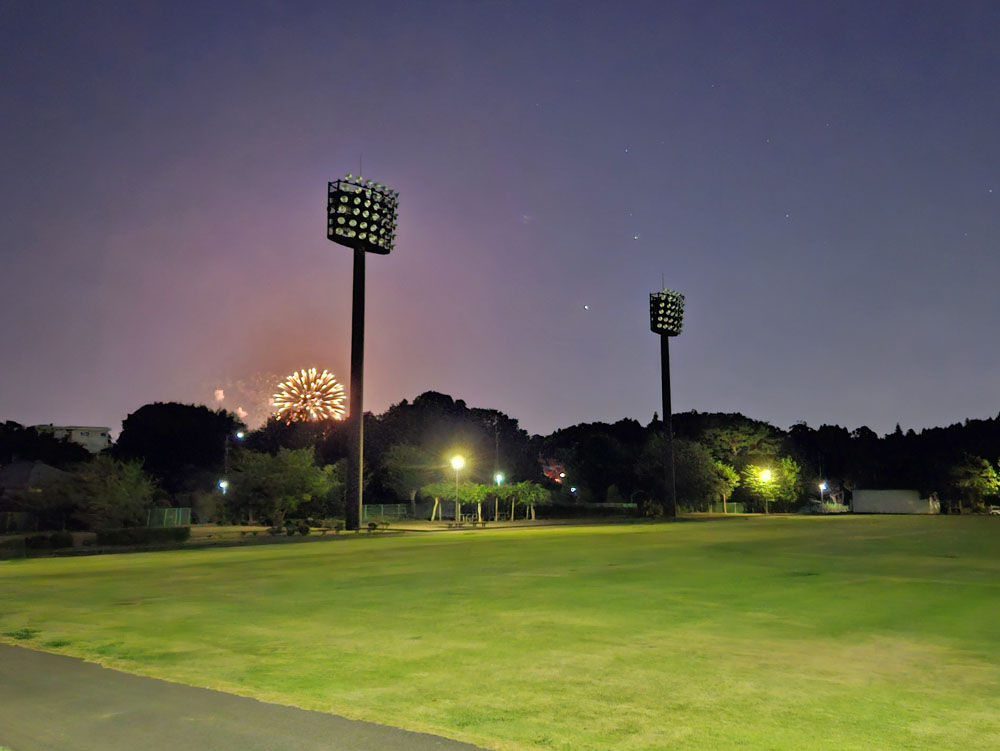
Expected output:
(360, 214)
(666, 316)
(498, 479)
(457, 462)
(765, 478)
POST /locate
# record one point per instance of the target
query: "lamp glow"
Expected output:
(457, 462)
(765, 475)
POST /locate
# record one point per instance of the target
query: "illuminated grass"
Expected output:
(781, 633)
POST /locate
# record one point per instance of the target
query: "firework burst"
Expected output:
(309, 395)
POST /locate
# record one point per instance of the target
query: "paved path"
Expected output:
(54, 703)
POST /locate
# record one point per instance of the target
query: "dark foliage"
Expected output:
(18, 443)
(49, 542)
(182, 445)
(143, 535)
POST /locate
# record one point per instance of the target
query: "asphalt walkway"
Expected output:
(51, 702)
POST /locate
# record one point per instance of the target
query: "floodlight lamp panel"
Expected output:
(666, 312)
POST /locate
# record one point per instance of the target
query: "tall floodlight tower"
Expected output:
(666, 315)
(360, 214)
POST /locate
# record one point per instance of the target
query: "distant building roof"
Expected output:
(23, 475)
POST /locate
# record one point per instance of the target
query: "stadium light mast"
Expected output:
(360, 214)
(666, 315)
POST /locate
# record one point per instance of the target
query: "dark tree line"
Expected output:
(185, 450)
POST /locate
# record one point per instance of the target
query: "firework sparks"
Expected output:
(309, 395)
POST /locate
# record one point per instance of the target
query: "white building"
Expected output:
(94, 439)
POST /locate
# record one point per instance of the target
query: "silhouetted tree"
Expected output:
(182, 445)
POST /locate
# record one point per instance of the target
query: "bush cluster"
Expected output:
(143, 535)
(575, 511)
(49, 542)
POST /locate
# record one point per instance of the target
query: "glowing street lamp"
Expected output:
(765, 477)
(223, 486)
(498, 478)
(360, 214)
(666, 316)
(457, 463)
(822, 487)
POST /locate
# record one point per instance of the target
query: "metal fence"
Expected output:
(730, 508)
(384, 511)
(168, 517)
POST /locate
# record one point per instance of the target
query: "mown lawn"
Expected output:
(782, 633)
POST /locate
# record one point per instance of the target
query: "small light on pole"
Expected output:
(765, 477)
(457, 463)
(223, 486)
(822, 487)
(498, 478)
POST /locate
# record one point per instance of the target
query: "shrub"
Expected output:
(60, 540)
(303, 528)
(143, 535)
(37, 542)
(338, 528)
(13, 548)
(49, 542)
(372, 526)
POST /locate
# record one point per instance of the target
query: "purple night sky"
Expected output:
(820, 182)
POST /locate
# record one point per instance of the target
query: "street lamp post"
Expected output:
(765, 478)
(457, 462)
(666, 316)
(360, 214)
(498, 479)
(822, 487)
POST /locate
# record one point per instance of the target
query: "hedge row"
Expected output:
(49, 542)
(574, 511)
(143, 535)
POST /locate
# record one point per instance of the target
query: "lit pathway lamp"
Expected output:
(457, 462)
(360, 214)
(666, 315)
(498, 479)
(765, 479)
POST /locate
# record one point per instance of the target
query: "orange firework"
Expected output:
(309, 395)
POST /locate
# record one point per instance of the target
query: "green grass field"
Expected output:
(747, 633)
